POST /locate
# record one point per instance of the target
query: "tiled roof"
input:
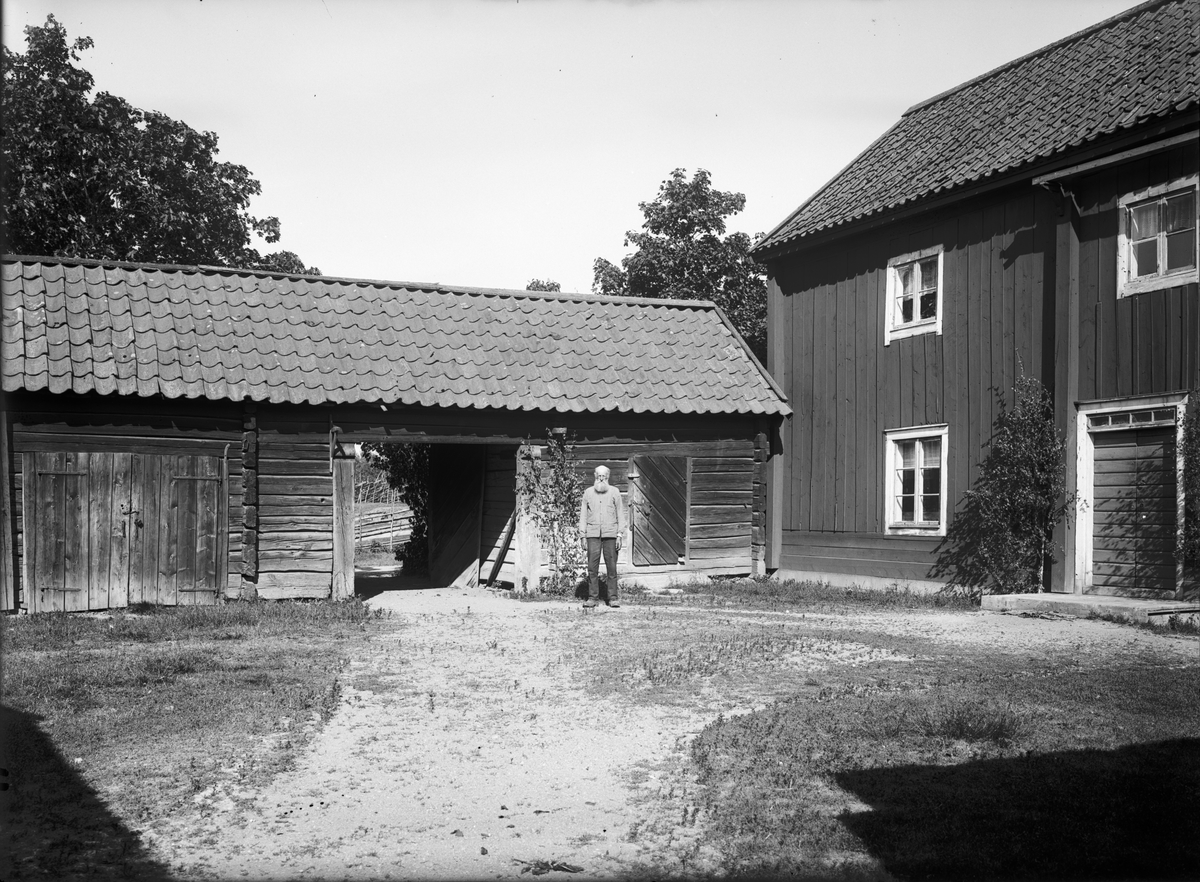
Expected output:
(87, 326)
(1130, 69)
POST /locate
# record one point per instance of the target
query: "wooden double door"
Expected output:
(105, 530)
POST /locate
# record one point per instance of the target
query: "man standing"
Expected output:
(601, 529)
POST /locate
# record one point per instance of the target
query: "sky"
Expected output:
(490, 142)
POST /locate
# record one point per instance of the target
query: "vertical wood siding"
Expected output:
(848, 388)
(1145, 344)
(138, 439)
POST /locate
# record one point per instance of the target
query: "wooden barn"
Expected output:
(1039, 218)
(181, 434)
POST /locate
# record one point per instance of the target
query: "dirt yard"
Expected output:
(478, 736)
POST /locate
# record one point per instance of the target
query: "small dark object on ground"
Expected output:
(541, 867)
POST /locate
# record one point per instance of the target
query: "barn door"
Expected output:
(1135, 507)
(108, 529)
(658, 486)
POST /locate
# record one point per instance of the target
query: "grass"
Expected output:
(135, 714)
(863, 752)
(757, 592)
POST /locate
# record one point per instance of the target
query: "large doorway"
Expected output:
(107, 530)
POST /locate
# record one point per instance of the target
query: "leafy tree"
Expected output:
(542, 285)
(407, 469)
(683, 252)
(97, 177)
(1003, 537)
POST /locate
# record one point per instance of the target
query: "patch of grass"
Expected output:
(774, 779)
(147, 708)
(765, 591)
(148, 623)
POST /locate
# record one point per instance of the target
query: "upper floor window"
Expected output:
(914, 294)
(1157, 240)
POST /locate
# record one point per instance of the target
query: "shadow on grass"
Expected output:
(1128, 813)
(55, 825)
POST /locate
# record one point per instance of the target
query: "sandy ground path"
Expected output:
(461, 747)
(467, 745)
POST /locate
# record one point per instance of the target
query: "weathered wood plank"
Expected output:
(721, 464)
(721, 481)
(168, 555)
(122, 508)
(297, 486)
(293, 585)
(98, 527)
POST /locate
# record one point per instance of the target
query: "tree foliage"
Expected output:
(407, 470)
(96, 177)
(550, 492)
(543, 285)
(1003, 537)
(683, 252)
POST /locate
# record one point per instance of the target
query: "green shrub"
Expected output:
(1003, 537)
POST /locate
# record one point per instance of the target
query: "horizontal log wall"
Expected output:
(295, 504)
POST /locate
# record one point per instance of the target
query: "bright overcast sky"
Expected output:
(487, 142)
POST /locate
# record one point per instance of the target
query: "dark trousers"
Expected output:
(596, 545)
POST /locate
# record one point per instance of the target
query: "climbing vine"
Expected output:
(1188, 546)
(550, 491)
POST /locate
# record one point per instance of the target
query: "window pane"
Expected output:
(907, 453)
(906, 310)
(904, 276)
(908, 508)
(929, 274)
(1181, 212)
(931, 453)
(1181, 250)
(929, 304)
(907, 481)
(1145, 258)
(931, 481)
(931, 508)
(1144, 221)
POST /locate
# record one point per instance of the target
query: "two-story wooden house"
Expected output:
(1039, 218)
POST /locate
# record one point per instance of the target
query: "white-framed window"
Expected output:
(915, 480)
(914, 294)
(1157, 241)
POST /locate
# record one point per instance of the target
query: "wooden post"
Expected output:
(249, 503)
(8, 586)
(525, 537)
(343, 528)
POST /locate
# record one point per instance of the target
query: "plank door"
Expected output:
(658, 509)
(108, 529)
(1135, 510)
(190, 530)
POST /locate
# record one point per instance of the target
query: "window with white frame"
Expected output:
(915, 480)
(1157, 240)
(914, 294)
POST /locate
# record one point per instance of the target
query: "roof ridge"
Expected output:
(350, 280)
(1078, 35)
